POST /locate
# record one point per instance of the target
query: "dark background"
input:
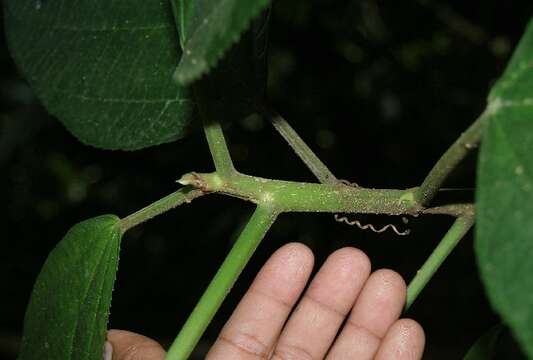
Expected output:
(379, 89)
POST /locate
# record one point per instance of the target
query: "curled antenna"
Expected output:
(357, 223)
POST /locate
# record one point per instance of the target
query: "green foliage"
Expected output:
(207, 30)
(504, 243)
(69, 307)
(484, 348)
(104, 68)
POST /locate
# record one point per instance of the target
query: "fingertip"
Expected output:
(352, 258)
(291, 264)
(340, 278)
(126, 345)
(390, 282)
(336, 285)
(295, 252)
(410, 327)
(380, 303)
(405, 340)
(416, 328)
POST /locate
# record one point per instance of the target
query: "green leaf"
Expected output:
(504, 242)
(104, 68)
(208, 28)
(69, 308)
(485, 346)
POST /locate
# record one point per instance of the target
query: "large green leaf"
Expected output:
(104, 68)
(504, 235)
(208, 28)
(69, 307)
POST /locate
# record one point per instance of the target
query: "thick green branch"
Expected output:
(183, 195)
(288, 196)
(221, 284)
(466, 142)
(458, 230)
(304, 152)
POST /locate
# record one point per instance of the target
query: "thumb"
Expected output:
(125, 345)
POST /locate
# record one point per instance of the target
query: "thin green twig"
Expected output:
(221, 284)
(218, 148)
(456, 232)
(449, 160)
(183, 195)
(304, 152)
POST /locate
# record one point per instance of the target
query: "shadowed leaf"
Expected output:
(208, 29)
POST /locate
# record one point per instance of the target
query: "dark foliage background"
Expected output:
(378, 88)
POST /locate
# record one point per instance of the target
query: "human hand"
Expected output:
(346, 313)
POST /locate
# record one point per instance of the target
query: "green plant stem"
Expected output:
(449, 160)
(221, 284)
(183, 195)
(304, 152)
(457, 231)
(290, 196)
(218, 148)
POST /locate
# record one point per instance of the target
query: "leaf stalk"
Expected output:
(218, 148)
(456, 232)
(183, 195)
(449, 160)
(304, 152)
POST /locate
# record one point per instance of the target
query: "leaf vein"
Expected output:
(121, 100)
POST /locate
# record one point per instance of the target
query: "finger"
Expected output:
(404, 341)
(312, 327)
(379, 305)
(254, 326)
(126, 345)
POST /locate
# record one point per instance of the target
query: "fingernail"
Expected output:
(108, 351)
